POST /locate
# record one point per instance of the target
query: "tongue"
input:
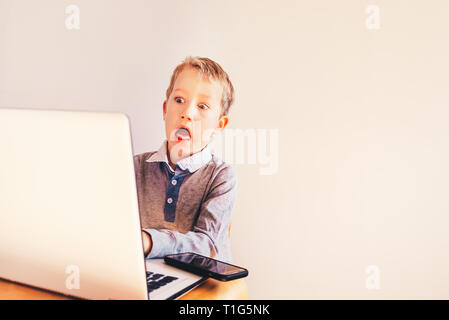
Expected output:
(182, 134)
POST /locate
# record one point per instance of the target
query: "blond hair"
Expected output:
(211, 70)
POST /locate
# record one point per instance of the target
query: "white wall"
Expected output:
(361, 116)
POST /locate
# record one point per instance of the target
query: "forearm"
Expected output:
(166, 242)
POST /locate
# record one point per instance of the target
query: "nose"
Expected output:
(189, 112)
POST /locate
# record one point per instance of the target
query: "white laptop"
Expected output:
(69, 216)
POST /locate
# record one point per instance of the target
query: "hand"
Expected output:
(147, 243)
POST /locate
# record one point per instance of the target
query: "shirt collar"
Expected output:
(191, 163)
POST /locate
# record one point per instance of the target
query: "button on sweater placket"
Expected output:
(172, 196)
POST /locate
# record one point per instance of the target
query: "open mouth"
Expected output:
(182, 134)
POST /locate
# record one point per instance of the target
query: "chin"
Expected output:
(182, 149)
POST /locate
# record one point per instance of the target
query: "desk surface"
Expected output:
(209, 290)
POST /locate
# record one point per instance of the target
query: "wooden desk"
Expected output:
(209, 290)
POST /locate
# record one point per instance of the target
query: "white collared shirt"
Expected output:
(191, 163)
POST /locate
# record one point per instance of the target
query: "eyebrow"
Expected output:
(201, 95)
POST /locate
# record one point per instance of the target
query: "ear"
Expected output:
(222, 122)
(164, 109)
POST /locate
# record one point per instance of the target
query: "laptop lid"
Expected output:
(69, 211)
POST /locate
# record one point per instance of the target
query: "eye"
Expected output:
(203, 106)
(179, 99)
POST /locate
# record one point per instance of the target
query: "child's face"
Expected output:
(195, 105)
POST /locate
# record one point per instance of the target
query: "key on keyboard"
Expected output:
(157, 280)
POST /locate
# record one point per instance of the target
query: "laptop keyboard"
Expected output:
(157, 280)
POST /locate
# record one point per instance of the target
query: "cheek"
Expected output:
(208, 128)
(170, 115)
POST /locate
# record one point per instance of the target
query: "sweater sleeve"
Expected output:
(209, 236)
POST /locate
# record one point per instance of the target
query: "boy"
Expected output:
(186, 194)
